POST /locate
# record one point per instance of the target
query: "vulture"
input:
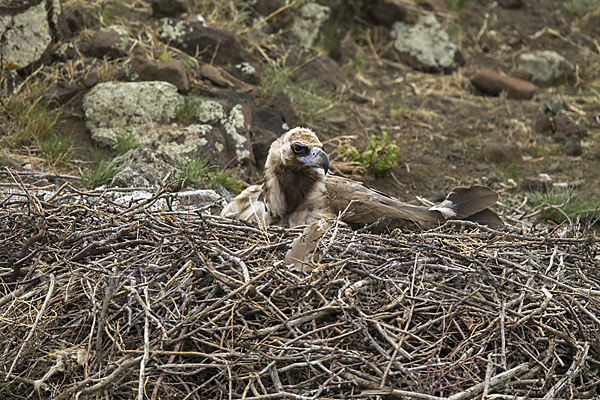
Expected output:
(297, 191)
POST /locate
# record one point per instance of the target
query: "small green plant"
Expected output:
(580, 8)
(560, 203)
(540, 148)
(34, 121)
(193, 171)
(227, 181)
(107, 71)
(164, 57)
(379, 157)
(57, 149)
(103, 173)
(201, 171)
(126, 141)
(189, 110)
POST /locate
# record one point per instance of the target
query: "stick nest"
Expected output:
(147, 300)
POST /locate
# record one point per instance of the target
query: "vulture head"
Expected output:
(295, 176)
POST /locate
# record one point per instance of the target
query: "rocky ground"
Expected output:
(470, 91)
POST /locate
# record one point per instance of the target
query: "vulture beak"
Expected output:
(317, 159)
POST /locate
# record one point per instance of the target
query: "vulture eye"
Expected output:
(297, 148)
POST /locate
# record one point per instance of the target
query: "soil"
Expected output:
(451, 134)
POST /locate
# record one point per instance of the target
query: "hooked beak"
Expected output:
(317, 159)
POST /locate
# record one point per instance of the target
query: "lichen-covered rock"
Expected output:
(144, 168)
(112, 42)
(216, 46)
(114, 109)
(544, 68)
(25, 36)
(308, 22)
(425, 45)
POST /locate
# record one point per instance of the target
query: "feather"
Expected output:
(465, 201)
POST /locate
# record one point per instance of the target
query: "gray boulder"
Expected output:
(26, 29)
(425, 45)
(308, 22)
(544, 68)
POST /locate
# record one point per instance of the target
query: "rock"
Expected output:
(543, 123)
(573, 147)
(246, 72)
(501, 152)
(324, 68)
(9, 81)
(564, 124)
(145, 168)
(434, 5)
(81, 15)
(114, 109)
(510, 3)
(27, 30)
(493, 83)
(555, 167)
(64, 52)
(545, 68)
(266, 7)
(285, 105)
(215, 75)
(216, 46)
(146, 111)
(171, 71)
(168, 8)
(268, 127)
(541, 183)
(308, 22)
(112, 42)
(57, 95)
(425, 46)
(387, 13)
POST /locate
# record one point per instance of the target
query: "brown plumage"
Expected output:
(297, 191)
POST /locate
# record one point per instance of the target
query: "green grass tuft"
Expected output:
(34, 122)
(457, 5)
(103, 173)
(560, 203)
(58, 149)
(201, 171)
(126, 141)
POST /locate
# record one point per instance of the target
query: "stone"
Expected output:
(80, 16)
(541, 183)
(112, 42)
(564, 124)
(493, 83)
(114, 109)
(168, 8)
(145, 168)
(26, 34)
(308, 66)
(425, 46)
(545, 68)
(501, 152)
(308, 21)
(386, 13)
(246, 72)
(268, 126)
(434, 5)
(171, 71)
(57, 95)
(215, 75)
(9, 81)
(285, 105)
(573, 147)
(216, 47)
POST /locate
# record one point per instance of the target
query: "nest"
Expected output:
(146, 300)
